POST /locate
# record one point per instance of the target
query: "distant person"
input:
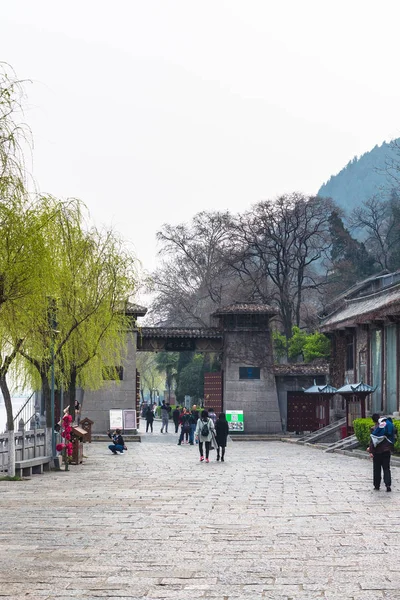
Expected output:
(118, 444)
(149, 419)
(204, 433)
(380, 447)
(193, 423)
(176, 413)
(212, 415)
(221, 434)
(185, 419)
(77, 408)
(165, 410)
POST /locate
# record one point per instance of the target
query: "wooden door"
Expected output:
(213, 391)
(301, 412)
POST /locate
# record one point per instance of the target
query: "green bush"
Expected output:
(362, 430)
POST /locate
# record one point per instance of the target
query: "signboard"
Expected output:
(130, 419)
(116, 418)
(235, 420)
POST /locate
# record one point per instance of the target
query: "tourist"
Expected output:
(118, 444)
(381, 447)
(193, 423)
(185, 426)
(221, 434)
(149, 419)
(212, 415)
(176, 413)
(165, 410)
(77, 408)
(204, 432)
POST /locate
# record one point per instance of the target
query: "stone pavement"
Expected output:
(276, 521)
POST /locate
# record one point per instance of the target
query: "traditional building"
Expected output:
(364, 324)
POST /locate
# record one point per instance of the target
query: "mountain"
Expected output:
(364, 177)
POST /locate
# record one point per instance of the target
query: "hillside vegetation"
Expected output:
(371, 174)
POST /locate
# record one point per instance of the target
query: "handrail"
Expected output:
(17, 416)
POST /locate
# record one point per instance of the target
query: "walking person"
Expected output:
(212, 415)
(194, 417)
(165, 410)
(381, 447)
(149, 419)
(185, 426)
(176, 413)
(204, 432)
(221, 434)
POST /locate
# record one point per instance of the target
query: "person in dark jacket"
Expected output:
(176, 413)
(185, 426)
(222, 432)
(194, 417)
(380, 447)
(118, 444)
(149, 419)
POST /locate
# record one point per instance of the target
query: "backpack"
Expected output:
(205, 430)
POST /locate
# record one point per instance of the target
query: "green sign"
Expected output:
(235, 420)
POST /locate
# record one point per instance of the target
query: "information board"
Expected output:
(235, 419)
(116, 421)
(130, 419)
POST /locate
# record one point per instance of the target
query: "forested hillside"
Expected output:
(371, 174)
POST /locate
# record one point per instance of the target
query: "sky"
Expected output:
(153, 110)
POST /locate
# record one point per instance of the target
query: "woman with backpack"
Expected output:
(204, 432)
(222, 432)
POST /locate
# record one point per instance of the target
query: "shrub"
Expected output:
(362, 430)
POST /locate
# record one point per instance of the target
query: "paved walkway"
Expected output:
(276, 521)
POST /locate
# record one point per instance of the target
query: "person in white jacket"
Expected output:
(204, 432)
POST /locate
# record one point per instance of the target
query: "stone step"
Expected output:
(128, 437)
(258, 437)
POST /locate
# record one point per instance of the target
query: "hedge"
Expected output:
(362, 430)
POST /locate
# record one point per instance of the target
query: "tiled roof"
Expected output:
(321, 389)
(135, 309)
(179, 332)
(318, 368)
(359, 310)
(249, 308)
(353, 388)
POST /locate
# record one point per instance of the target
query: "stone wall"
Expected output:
(114, 394)
(256, 397)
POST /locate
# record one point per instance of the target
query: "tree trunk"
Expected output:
(72, 392)
(10, 426)
(46, 392)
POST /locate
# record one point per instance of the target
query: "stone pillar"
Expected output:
(249, 381)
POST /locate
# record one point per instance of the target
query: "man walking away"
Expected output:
(165, 410)
(176, 413)
(149, 419)
(381, 447)
(194, 417)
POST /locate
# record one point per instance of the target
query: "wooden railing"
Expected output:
(28, 444)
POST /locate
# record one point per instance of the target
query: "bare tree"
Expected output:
(379, 219)
(194, 278)
(279, 246)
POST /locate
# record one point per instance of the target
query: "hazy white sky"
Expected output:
(152, 110)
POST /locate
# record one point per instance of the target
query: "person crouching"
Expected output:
(118, 444)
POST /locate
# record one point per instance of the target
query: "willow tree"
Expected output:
(92, 277)
(21, 250)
